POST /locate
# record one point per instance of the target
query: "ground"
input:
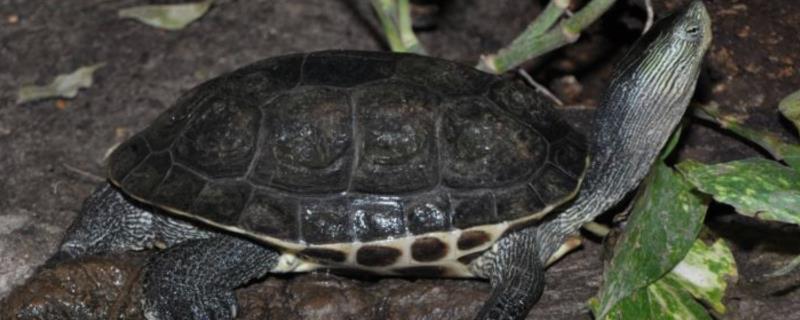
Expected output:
(53, 151)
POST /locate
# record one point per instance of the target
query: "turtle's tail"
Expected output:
(645, 100)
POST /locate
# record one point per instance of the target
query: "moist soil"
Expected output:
(52, 151)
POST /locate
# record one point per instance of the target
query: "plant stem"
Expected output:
(395, 17)
(531, 44)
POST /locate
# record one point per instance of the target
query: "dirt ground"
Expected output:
(51, 152)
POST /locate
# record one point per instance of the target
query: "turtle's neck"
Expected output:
(645, 100)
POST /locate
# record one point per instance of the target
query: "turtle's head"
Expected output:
(663, 65)
(646, 99)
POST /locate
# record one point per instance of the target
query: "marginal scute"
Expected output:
(570, 154)
(344, 69)
(428, 214)
(326, 221)
(126, 157)
(220, 140)
(324, 255)
(484, 147)
(179, 189)
(427, 249)
(165, 129)
(422, 271)
(308, 148)
(266, 78)
(553, 184)
(222, 201)
(144, 179)
(472, 239)
(377, 256)
(447, 77)
(377, 218)
(473, 209)
(397, 135)
(518, 202)
(271, 215)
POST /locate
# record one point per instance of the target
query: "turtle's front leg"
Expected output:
(516, 273)
(111, 222)
(195, 279)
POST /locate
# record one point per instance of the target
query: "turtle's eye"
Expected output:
(692, 31)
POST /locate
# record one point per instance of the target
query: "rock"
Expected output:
(88, 288)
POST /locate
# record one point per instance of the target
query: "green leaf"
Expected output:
(658, 301)
(790, 108)
(705, 272)
(790, 153)
(672, 142)
(170, 17)
(701, 275)
(64, 86)
(664, 223)
(755, 187)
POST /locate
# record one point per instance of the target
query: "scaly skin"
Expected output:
(645, 101)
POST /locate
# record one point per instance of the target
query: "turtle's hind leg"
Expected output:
(112, 222)
(195, 279)
(516, 274)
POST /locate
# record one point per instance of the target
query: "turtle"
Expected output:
(388, 163)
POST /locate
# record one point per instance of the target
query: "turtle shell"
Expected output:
(357, 157)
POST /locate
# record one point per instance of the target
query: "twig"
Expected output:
(529, 45)
(539, 87)
(86, 174)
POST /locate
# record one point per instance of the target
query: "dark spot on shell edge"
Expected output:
(377, 256)
(428, 249)
(472, 239)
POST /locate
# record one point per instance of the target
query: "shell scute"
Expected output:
(266, 213)
(396, 126)
(473, 209)
(179, 189)
(376, 219)
(221, 201)
(146, 176)
(308, 146)
(221, 138)
(326, 221)
(344, 69)
(486, 148)
(429, 214)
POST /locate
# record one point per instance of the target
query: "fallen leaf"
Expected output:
(170, 17)
(64, 86)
